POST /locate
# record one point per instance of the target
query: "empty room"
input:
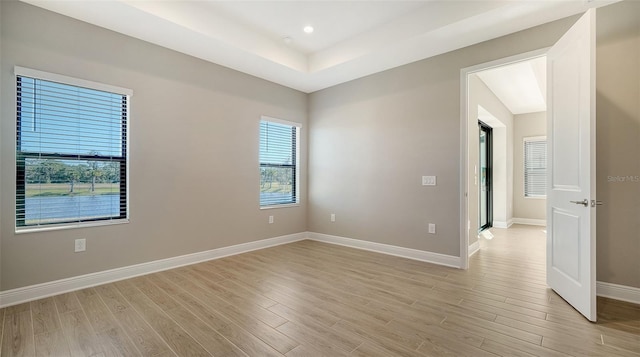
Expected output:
(319, 178)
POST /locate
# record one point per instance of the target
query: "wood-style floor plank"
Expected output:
(105, 325)
(81, 338)
(315, 299)
(67, 303)
(17, 334)
(51, 343)
(44, 315)
(178, 339)
(143, 337)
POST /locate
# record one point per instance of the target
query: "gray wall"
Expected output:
(618, 143)
(194, 176)
(526, 125)
(371, 139)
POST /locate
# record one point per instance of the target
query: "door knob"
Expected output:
(584, 202)
(596, 203)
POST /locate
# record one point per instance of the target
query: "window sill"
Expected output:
(61, 226)
(536, 197)
(285, 205)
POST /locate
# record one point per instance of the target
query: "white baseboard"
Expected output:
(501, 224)
(415, 254)
(39, 291)
(618, 292)
(474, 247)
(34, 292)
(529, 221)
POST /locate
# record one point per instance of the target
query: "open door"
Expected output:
(571, 216)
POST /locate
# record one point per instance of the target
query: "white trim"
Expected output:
(414, 254)
(56, 227)
(38, 291)
(280, 121)
(464, 157)
(59, 78)
(530, 221)
(618, 292)
(501, 224)
(474, 247)
(534, 138)
(284, 205)
(464, 173)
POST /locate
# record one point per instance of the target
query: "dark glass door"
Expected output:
(485, 172)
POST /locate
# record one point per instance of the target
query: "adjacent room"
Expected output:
(348, 178)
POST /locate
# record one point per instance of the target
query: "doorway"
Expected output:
(475, 107)
(485, 167)
(570, 263)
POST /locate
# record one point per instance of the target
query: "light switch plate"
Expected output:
(428, 180)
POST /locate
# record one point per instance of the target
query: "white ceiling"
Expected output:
(521, 87)
(352, 39)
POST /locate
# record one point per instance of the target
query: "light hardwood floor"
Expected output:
(315, 299)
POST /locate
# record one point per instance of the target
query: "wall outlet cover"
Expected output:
(80, 245)
(428, 180)
(432, 228)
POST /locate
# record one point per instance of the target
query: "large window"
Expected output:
(535, 167)
(278, 162)
(71, 150)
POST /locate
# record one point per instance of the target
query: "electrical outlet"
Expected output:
(80, 245)
(333, 217)
(270, 219)
(432, 228)
(428, 180)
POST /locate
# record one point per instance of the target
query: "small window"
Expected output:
(535, 167)
(71, 150)
(278, 162)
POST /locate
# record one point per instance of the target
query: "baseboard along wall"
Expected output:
(529, 221)
(39, 291)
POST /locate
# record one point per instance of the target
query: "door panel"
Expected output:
(567, 226)
(571, 163)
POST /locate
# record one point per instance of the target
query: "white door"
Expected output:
(571, 219)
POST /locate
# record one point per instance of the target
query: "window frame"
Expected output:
(525, 140)
(20, 157)
(295, 165)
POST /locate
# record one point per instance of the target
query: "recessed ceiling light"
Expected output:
(308, 29)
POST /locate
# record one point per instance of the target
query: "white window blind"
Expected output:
(278, 162)
(71, 153)
(535, 167)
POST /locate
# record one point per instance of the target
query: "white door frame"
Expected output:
(464, 141)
